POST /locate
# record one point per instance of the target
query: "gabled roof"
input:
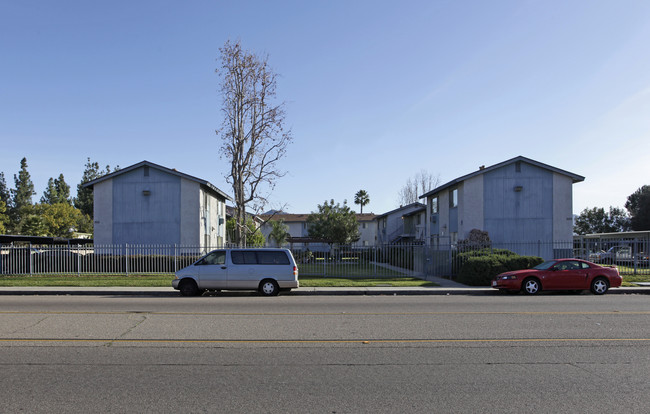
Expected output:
(417, 206)
(575, 177)
(160, 168)
(300, 218)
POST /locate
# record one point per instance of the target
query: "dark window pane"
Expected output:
(272, 258)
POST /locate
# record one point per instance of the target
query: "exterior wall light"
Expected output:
(146, 192)
(518, 188)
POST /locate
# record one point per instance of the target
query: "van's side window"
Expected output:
(214, 258)
(243, 257)
(272, 258)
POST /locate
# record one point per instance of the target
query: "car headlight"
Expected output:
(508, 277)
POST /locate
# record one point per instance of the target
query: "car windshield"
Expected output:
(545, 265)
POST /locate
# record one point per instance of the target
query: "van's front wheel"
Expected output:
(269, 287)
(188, 287)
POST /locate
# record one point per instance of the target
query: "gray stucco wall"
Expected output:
(139, 218)
(103, 212)
(190, 224)
(562, 208)
(518, 216)
(471, 206)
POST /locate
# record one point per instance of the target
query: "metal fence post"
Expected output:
(126, 258)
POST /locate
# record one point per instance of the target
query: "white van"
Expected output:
(268, 271)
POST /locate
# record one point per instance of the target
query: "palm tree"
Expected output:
(362, 198)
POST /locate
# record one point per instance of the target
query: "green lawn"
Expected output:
(628, 280)
(165, 281)
(319, 281)
(347, 269)
(88, 281)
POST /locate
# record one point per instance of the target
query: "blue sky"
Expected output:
(375, 90)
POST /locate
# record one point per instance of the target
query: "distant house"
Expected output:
(517, 201)
(150, 204)
(405, 224)
(299, 232)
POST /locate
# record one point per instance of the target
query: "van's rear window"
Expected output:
(259, 257)
(279, 258)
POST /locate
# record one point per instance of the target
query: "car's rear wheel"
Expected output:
(269, 287)
(531, 286)
(188, 287)
(599, 286)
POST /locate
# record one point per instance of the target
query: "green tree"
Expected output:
(250, 232)
(84, 200)
(60, 219)
(21, 196)
(252, 133)
(5, 204)
(279, 232)
(4, 218)
(254, 236)
(638, 204)
(57, 191)
(85, 224)
(334, 223)
(5, 194)
(32, 223)
(597, 220)
(362, 198)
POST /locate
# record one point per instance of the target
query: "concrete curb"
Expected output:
(303, 291)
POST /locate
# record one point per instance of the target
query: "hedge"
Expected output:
(480, 270)
(459, 258)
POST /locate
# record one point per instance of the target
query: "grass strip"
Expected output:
(166, 280)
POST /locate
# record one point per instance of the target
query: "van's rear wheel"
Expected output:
(269, 287)
(188, 287)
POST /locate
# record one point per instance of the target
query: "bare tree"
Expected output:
(415, 186)
(252, 133)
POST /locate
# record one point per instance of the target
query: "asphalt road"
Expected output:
(552, 353)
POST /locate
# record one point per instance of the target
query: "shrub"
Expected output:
(460, 257)
(480, 270)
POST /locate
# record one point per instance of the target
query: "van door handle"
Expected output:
(224, 267)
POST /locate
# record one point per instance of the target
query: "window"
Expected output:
(272, 258)
(453, 198)
(243, 257)
(259, 257)
(434, 205)
(214, 258)
(146, 171)
(518, 166)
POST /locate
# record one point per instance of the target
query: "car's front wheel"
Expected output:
(269, 287)
(599, 286)
(531, 286)
(188, 287)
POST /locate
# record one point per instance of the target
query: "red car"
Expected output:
(560, 274)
